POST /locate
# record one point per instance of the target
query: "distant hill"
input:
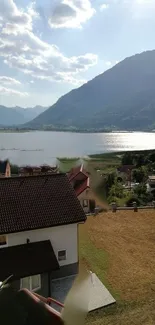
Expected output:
(30, 113)
(121, 97)
(10, 116)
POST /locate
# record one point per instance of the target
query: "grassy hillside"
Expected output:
(119, 248)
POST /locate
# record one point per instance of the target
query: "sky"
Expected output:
(50, 47)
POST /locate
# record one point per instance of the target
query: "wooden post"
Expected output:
(114, 207)
(135, 206)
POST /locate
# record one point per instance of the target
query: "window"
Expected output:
(85, 203)
(35, 282)
(25, 283)
(32, 283)
(3, 240)
(62, 255)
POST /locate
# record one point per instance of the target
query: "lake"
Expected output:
(41, 147)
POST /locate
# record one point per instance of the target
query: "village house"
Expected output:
(80, 181)
(37, 170)
(38, 230)
(151, 183)
(5, 168)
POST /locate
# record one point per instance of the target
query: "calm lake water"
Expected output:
(39, 147)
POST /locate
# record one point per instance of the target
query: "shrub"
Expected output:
(14, 169)
(139, 174)
(131, 200)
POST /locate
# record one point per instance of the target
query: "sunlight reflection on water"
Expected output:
(43, 147)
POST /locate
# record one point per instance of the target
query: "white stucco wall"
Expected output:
(85, 195)
(149, 187)
(62, 237)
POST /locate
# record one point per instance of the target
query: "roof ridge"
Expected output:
(33, 176)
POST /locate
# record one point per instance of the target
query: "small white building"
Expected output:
(39, 217)
(151, 183)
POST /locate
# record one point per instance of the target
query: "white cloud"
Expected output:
(9, 91)
(31, 81)
(104, 6)
(138, 9)
(9, 81)
(108, 63)
(52, 68)
(10, 13)
(71, 14)
(32, 12)
(25, 51)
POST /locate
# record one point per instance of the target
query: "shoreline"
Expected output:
(12, 130)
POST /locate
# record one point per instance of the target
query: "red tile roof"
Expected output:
(28, 259)
(75, 171)
(82, 187)
(35, 202)
(84, 184)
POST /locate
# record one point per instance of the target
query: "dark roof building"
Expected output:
(35, 202)
(23, 260)
(125, 168)
(3, 166)
(36, 170)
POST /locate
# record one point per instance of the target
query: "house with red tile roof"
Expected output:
(79, 178)
(39, 217)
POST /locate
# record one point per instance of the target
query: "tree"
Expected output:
(127, 159)
(142, 195)
(140, 190)
(152, 157)
(139, 175)
(14, 169)
(110, 180)
(116, 192)
(139, 160)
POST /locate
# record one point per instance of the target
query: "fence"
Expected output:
(135, 208)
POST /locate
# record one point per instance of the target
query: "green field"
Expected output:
(66, 164)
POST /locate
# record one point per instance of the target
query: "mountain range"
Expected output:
(10, 116)
(122, 97)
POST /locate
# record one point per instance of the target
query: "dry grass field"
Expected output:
(120, 248)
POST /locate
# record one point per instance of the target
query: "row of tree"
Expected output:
(139, 159)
